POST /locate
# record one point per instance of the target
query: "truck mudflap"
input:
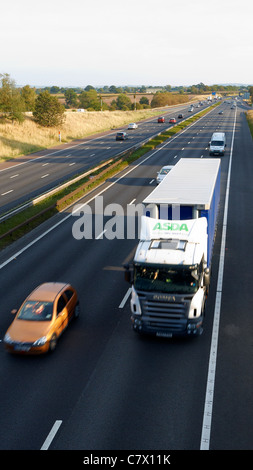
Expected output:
(166, 315)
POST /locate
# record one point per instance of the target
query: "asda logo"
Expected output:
(173, 226)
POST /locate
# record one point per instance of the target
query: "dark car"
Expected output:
(180, 116)
(121, 136)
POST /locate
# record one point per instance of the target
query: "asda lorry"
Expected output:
(171, 267)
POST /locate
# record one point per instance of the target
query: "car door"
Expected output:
(61, 315)
(71, 302)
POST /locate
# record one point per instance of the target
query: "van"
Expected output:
(217, 144)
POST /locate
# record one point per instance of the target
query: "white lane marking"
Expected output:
(14, 176)
(45, 164)
(7, 192)
(207, 417)
(123, 302)
(100, 235)
(132, 202)
(151, 181)
(45, 176)
(51, 435)
(71, 164)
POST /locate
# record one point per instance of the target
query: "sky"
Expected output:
(132, 42)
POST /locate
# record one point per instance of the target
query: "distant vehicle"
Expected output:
(217, 144)
(132, 125)
(172, 120)
(42, 318)
(180, 116)
(190, 109)
(161, 119)
(121, 136)
(163, 172)
(220, 112)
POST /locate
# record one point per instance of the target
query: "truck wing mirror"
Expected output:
(128, 273)
(206, 277)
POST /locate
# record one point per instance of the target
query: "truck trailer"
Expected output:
(170, 275)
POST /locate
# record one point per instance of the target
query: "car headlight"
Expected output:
(40, 341)
(7, 338)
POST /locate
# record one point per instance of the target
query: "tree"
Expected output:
(144, 100)
(11, 102)
(123, 102)
(29, 97)
(70, 98)
(49, 112)
(89, 100)
(251, 93)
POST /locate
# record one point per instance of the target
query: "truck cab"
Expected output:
(170, 278)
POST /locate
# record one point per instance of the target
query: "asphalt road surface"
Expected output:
(105, 387)
(26, 177)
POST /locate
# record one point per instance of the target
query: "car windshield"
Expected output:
(34, 310)
(217, 143)
(173, 279)
(164, 171)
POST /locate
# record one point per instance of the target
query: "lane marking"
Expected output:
(14, 176)
(207, 417)
(7, 192)
(152, 181)
(100, 235)
(51, 435)
(125, 298)
(44, 176)
(132, 202)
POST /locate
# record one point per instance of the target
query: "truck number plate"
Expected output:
(163, 334)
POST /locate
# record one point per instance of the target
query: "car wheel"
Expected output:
(53, 343)
(77, 310)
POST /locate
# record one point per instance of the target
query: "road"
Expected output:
(105, 387)
(27, 177)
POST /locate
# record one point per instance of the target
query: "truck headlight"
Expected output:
(135, 303)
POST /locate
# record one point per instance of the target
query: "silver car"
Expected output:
(163, 172)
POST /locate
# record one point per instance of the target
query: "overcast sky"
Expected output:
(130, 42)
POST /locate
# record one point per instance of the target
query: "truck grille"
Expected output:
(164, 311)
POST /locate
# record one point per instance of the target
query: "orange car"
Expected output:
(42, 318)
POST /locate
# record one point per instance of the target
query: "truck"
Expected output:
(170, 272)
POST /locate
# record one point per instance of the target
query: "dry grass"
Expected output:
(21, 139)
(250, 121)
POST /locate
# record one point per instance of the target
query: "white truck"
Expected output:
(171, 266)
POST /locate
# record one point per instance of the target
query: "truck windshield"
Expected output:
(176, 280)
(217, 143)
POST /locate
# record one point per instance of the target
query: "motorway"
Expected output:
(104, 387)
(24, 178)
